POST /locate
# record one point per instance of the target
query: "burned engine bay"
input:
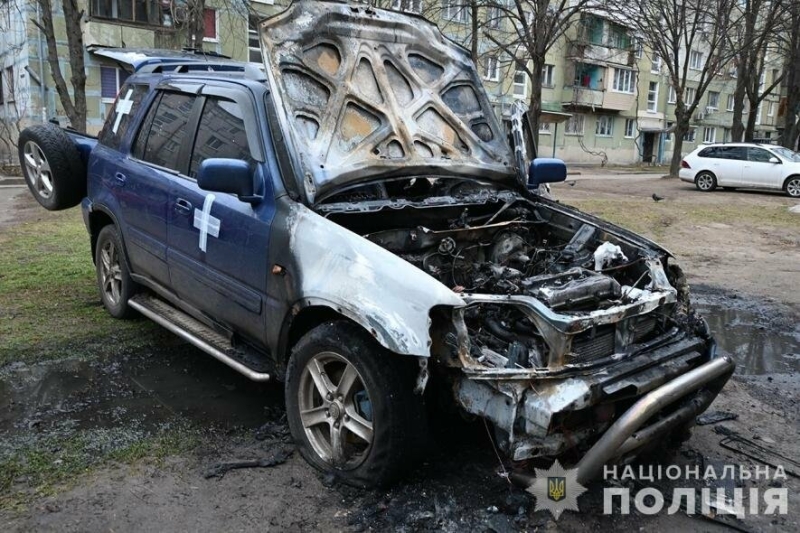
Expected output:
(547, 288)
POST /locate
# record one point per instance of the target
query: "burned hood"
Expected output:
(363, 93)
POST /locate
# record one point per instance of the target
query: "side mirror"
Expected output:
(227, 175)
(774, 160)
(546, 170)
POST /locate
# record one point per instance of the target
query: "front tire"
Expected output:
(792, 186)
(705, 182)
(351, 407)
(113, 275)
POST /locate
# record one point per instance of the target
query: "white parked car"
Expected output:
(743, 165)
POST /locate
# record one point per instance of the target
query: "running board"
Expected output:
(195, 332)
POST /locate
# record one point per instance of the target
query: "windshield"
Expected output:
(787, 154)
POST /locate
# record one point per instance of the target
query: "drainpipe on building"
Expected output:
(42, 89)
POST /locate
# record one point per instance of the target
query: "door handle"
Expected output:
(120, 178)
(183, 207)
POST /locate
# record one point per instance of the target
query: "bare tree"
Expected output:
(752, 38)
(524, 31)
(690, 36)
(791, 48)
(75, 104)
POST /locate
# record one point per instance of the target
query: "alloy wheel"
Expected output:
(38, 169)
(110, 272)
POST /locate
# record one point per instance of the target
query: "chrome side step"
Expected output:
(194, 332)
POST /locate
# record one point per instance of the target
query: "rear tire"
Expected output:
(792, 186)
(705, 182)
(351, 405)
(113, 275)
(52, 166)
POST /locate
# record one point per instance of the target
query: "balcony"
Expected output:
(597, 99)
(588, 52)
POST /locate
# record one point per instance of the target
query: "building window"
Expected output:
(672, 96)
(544, 127)
(652, 96)
(409, 6)
(574, 125)
(639, 48)
(547, 75)
(709, 135)
(111, 79)
(520, 83)
(731, 101)
(770, 109)
(619, 37)
(670, 128)
(655, 66)
(605, 126)
(454, 10)
(144, 11)
(695, 60)
(690, 135)
(758, 115)
(630, 128)
(493, 17)
(253, 41)
(726, 135)
(210, 23)
(624, 80)
(689, 95)
(491, 71)
(713, 100)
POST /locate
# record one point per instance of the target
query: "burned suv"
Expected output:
(351, 219)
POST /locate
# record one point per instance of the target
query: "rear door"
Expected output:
(221, 268)
(136, 195)
(731, 163)
(759, 171)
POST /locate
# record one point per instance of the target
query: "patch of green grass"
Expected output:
(49, 302)
(43, 467)
(657, 219)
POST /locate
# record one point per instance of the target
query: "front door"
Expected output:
(217, 244)
(648, 146)
(759, 171)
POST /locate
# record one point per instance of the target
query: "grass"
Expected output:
(43, 467)
(656, 220)
(49, 302)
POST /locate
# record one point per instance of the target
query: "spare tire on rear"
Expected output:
(52, 167)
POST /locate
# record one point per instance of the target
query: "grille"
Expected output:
(595, 343)
(644, 327)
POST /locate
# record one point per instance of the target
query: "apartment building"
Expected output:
(605, 98)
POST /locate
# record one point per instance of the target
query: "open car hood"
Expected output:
(364, 93)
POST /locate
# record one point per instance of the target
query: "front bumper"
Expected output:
(606, 413)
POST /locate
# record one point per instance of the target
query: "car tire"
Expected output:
(351, 406)
(792, 186)
(52, 167)
(113, 274)
(705, 182)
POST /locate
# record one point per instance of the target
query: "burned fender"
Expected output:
(383, 293)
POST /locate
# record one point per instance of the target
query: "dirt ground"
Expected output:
(744, 269)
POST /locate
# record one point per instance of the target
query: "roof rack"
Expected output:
(251, 71)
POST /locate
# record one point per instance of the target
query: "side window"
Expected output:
(738, 153)
(164, 130)
(121, 116)
(758, 154)
(709, 152)
(221, 133)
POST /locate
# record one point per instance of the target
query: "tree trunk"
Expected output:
(737, 129)
(535, 101)
(196, 25)
(792, 106)
(681, 129)
(750, 131)
(473, 49)
(75, 111)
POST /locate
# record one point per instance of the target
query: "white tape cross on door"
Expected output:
(207, 224)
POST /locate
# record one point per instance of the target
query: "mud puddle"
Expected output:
(760, 341)
(140, 391)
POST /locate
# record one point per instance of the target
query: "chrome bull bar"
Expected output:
(622, 436)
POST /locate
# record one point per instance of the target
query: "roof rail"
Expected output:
(251, 71)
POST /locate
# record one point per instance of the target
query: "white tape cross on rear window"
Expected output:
(123, 107)
(207, 224)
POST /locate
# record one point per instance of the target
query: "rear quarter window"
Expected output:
(121, 116)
